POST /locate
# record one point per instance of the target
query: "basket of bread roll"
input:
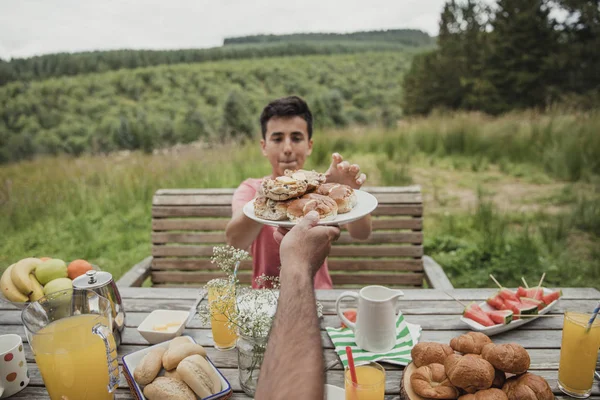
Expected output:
(471, 367)
(292, 196)
(176, 369)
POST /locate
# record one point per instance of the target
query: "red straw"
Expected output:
(351, 365)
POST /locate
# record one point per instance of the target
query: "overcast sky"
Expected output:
(33, 27)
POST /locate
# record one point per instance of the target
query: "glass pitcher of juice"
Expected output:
(71, 338)
(221, 302)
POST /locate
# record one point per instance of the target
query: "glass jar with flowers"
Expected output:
(241, 311)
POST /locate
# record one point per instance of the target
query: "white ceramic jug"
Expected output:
(375, 328)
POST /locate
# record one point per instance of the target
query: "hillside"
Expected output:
(67, 64)
(151, 107)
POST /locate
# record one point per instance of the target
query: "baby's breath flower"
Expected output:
(227, 256)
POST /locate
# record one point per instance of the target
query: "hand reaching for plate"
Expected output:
(343, 172)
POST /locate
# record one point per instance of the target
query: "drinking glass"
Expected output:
(371, 382)
(221, 303)
(73, 345)
(578, 354)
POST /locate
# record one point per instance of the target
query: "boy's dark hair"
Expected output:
(291, 106)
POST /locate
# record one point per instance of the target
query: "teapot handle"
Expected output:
(349, 324)
(111, 355)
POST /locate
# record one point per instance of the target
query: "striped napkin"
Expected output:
(407, 335)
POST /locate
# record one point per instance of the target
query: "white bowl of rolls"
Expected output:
(177, 369)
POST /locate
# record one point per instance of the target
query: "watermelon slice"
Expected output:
(500, 316)
(496, 302)
(534, 293)
(521, 309)
(549, 298)
(521, 292)
(533, 302)
(508, 294)
(474, 312)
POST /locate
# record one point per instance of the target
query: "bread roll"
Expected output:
(149, 366)
(312, 178)
(469, 372)
(179, 340)
(283, 188)
(470, 343)
(343, 195)
(527, 387)
(509, 357)
(431, 381)
(175, 354)
(173, 374)
(168, 389)
(425, 353)
(199, 375)
(326, 207)
(270, 209)
(488, 394)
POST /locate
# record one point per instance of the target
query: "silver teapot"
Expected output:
(103, 283)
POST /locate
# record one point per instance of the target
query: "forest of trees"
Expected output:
(511, 55)
(66, 64)
(152, 107)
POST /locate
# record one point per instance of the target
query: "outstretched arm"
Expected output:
(293, 365)
(343, 172)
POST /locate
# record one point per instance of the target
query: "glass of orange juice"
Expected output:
(578, 354)
(371, 382)
(221, 303)
(73, 345)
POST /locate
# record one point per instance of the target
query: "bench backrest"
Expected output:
(188, 223)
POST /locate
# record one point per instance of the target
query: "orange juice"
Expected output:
(578, 354)
(72, 360)
(371, 383)
(221, 300)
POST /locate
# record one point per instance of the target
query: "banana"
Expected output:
(9, 290)
(20, 274)
(38, 289)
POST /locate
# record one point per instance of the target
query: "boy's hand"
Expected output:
(343, 172)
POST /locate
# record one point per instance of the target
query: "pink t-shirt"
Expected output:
(264, 249)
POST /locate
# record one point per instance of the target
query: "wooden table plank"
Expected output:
(434, 310)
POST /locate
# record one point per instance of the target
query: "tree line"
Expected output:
(67, 64)
(408, 37)
(514, 54)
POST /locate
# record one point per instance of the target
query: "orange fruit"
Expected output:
(77, 268)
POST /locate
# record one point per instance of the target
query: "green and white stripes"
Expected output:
(407, 335)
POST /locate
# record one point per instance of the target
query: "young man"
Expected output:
(286, 142)
(293, 364)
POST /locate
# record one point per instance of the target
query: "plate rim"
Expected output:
(289, 224)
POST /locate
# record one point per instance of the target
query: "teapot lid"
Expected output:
(92, 279)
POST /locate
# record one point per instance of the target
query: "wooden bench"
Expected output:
(188, 223)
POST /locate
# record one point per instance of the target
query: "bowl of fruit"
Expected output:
(30, 279)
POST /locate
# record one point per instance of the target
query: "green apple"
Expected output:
(51, 269)
(57, 285)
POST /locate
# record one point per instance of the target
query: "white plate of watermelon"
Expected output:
(509, 309)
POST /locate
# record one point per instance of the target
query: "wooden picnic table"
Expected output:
(433, 309)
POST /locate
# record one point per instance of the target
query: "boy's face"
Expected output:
(286, 144)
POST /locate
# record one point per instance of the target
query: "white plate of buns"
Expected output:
(285, 200)
(177, 367)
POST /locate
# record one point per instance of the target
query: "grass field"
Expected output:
(516, 195)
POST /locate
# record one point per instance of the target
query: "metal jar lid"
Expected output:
(92, 279)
